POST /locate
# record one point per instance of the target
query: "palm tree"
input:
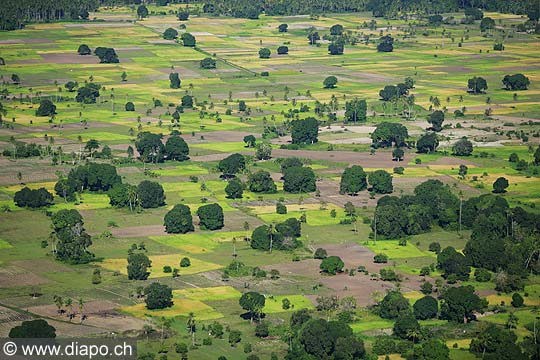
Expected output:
(165, 324)
(413, 334)
(69, 307)
(59, 302)
(81, 309)
(271, 233)
(191, 325)
(147, 330)
(132, 196)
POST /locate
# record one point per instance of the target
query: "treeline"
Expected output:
(15, 13)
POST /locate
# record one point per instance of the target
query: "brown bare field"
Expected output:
(13, 276)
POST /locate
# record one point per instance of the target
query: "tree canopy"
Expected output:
(178, 220)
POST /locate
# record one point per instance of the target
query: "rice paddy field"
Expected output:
(440, 59)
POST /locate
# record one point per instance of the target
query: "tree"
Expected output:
(137, 268)
(263, 151)
(336, 47)
(33, 329)
(106, 55)
(460, 303)
(130, 106)
(46, 108)
(84, 50)
(142, 12)
(33, 198)
(16, 79)
(427, 143)
(187, 101)
(235, 337)
(487, 23)
(253, 302)
(281, 208)
(234, 189)
(71, 85)
(313, 37)
(150, 146)
(208, 63)
(392, 305)
(330, 82)
(426, 308)
(151, 194)
(462, 147)
(185, 262)
(305, 131)
(283, 50)
(397, 154)
(386, 44)
(320, 253)
(179, 220)
(170, 34)
(474, 13)
(432, 349)
(332, 265)
(516, 82)
(436, 119)
(261, 330)
(355, 110)
(232, 165)
(71, 238)
(517, 300)
(299, 180)
(336, 30)
(250, 141)
(242, 106)
(289, 162)
(387, 134)
(88, 93)
(500, 185)
(176, 148)
(463, 169)
(406, 326)
(381, 182)
(265, 237)
(477, 85)
(183, 15)
(210, 217)
(261, 182)
(353, 180)
(452, 262)
(264, 53)
(174, 80)
(495, 343)
(283, 28)
(158, 296)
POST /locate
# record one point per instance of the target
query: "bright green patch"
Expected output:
(275, 304)
(181, 307)
(208, 294)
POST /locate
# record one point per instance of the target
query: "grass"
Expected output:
(396, 251)
(208, 294)
(198, 243)
(182, 170)
(4, 244)
(159, 261)
(274, 303)
(181, 307)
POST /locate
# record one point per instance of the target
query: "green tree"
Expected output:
(150, 145)
(174, 80)
(462, 147)
(386, 44)
(33, 329)
(179, 220)
(176, 148)
(487, 23)
(392, 305)
(232, 165)
(405, 326)
(427, 143)
(477, 85)
(460, 303)
(208, 63)
(283, 50)
(355, 110)
(452, 262)
(188, 40)
(495, 343)
(142, 12)
(426, 308)
(130, 106)
(353, 180)
(137, 268)
(71, 238)
(387, 134)
(381, 182)
(183, 15)
(332, 265)
(436, 119)
(84, 50)
(264, 53)
(330, 82)
(253, 302)
(283, 28)
(46, 108)
(234, 189)
(299, 180)
(261, 182)
(263, 151)
(500, 185)
(305, 131)
(158, 296)
(150, 194)
(170, 34)
(210, 217)
(516, 82)
(250, 141)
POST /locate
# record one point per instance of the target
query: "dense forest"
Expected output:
(15, 13)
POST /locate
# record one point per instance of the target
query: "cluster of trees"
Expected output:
(88, 93)
(46, 108)
(389, 134)
(151, 148)
(516, 82)
(33, 198)
(106, 55)
(356, 110)
(69, 238)
(282, 236)
(354, 179)
(305, 131)
(432, 202)
(14, 14)
(148, 194)
(395, 92)
(92, 177)
(24, 150)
